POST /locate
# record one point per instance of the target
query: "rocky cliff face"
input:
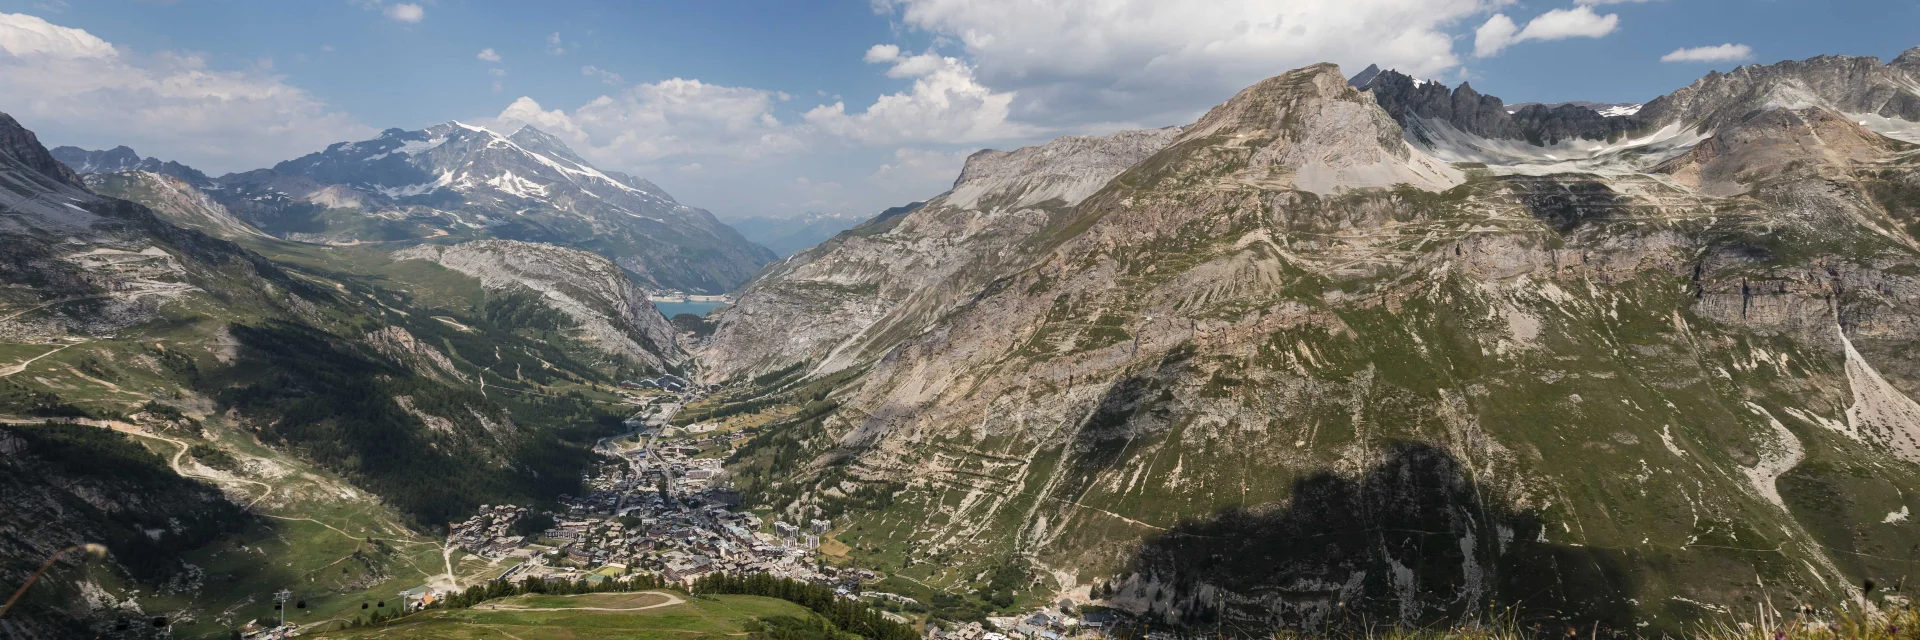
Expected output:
(608, 310)
(1413, 102)
(850, 299)
(122, 159)
(1223, 393)
(22, 147)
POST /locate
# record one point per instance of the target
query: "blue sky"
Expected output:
(779, 107)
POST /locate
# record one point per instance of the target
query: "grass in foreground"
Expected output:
(706, 616)
(1901, 623)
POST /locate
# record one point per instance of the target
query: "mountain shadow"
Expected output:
(1414, 542)
(1565, 203)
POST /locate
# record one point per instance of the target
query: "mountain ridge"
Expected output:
(1562, 387)
(465, 181)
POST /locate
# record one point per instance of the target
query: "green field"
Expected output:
(708, 616)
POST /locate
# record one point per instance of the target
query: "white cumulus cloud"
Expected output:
(1719, 53)
(406, 12)
(945, 104)
(1159, 62)
(22, 35)
(488, 55)
(1500, 32)
(72, 87)
(671, 119)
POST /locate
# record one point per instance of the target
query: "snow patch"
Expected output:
(1895, 128)
(1897, 516)
(1621, 110)
(516, 185)
(416, 146)
(445, 179)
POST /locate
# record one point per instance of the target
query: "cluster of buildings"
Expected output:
(1041, 624)
(663, 511)
(489, 533)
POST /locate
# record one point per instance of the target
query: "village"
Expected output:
(668, 511)
(662, 511)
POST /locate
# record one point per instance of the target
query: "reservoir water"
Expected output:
(671, 309)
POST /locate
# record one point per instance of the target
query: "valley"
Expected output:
(1341, 352)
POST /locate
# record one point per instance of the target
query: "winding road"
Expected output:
(174, 462)
(23, 366)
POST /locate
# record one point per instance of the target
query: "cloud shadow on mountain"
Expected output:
(1412, 542)
(1566, 203)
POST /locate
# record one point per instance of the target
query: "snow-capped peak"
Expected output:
(1621, 110)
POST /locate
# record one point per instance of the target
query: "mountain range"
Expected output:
(1378, 347)
(395, 389)
(456, 181)
(1344, 351)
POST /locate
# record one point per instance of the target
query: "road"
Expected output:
(23, 366)
(178, 456)
(605, 447)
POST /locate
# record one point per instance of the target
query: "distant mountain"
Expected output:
(788, 236)
(175, 199)
(122, 158)
(456, 179)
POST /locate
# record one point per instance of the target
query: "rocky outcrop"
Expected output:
(1306, 130)
(610, 311)
(1412, 101)
(22, 146)
(400, 345)
(122, 159)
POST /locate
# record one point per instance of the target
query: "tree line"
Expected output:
(851, 615)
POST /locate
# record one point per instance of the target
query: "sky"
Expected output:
(779, 107)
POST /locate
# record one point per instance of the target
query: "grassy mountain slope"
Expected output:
(346, 399)
(1235, 393)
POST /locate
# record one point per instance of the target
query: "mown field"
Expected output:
(545, 617)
